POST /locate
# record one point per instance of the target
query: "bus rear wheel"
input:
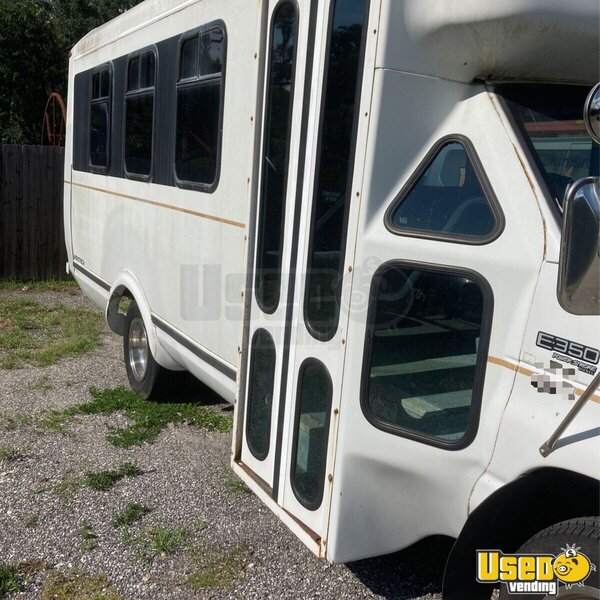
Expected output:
(146, 377)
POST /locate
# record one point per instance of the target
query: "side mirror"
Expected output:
(579, 265)
(591, 113)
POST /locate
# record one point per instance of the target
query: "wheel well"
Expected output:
(117, 307)
(510, 516)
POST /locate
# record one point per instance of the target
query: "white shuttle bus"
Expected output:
(373, 226)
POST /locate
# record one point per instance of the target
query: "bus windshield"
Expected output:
(551, 120)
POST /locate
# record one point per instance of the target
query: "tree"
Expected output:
(35, 39)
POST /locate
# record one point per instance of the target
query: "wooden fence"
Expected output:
(32, 239)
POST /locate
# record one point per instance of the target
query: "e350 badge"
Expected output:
(534, 573)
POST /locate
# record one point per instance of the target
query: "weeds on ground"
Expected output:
(130, 514)
(148, 418)
(12, 422)
(77, 585)
(9, 579)
(219, 569)
(90, 539)
(160, 539)
(49, 285)
(104, 480)
(67, 487)
(32, 565)
(53, 420)
(11, 454)
(36, 334)
(43, 384)
(233, 483)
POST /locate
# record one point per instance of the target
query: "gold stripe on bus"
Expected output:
(528, 372)
(161, 205)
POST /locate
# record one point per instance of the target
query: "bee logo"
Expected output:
(572, 567)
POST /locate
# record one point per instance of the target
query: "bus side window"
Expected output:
(100, 118)
(199, 108)
(139, 114)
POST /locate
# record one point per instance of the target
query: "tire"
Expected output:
(146, 377)
(584, 532)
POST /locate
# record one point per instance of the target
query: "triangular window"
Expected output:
(447, 199)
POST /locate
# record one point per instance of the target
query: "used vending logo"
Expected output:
(534, 573)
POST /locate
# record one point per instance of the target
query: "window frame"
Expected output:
(265, 134)
(138, 93)
(260, 456)
(197, 81)
(326, 336)
(311, 361)
(92, 168)
(480, 364)
(484, 182)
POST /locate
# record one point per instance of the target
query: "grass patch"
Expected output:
(10, 454)
(148, 418)
(234, 484)
(161, 539)
(12, 422)
(77, 585)
(67, 487)
(43, 384)
(35, 334)
(104, 480)
(220, 569)
(86, 533)
(9, 579)
(130, 514)
(53, 420)
(164, 539)
(50, 285)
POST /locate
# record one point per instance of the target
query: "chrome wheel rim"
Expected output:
(138, 349)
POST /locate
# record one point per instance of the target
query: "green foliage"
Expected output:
(76, 585)
(219, 568)
(104, 480)
(35, 39)
(11, 454)
(164, 539)
(90, 539)
(148, 418)
(130, 514)
(9, 580)
(34, 333)
(234, 484)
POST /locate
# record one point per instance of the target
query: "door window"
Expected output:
(311, 432)
(260, 396)
(426, 352)
(331, 200)
(280, 92)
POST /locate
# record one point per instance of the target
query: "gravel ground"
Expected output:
(186, 484)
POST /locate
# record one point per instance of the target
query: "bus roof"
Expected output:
(491, 40)
(461, 40)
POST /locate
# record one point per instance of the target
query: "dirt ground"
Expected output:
(82, 516)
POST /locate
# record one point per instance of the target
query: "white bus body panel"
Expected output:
(184, 255)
